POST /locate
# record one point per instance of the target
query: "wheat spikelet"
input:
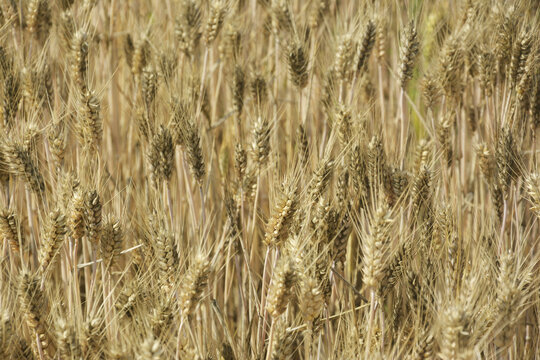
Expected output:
(52, 240)
(280, 290)
(194, 283)
(161, 155)
(320, 180)
(187, 26)
(281, 16)
(140, 55)
(92, 216)
(260, 145)
(12, 97)
(162, 317)
(67, 341)
(344, 57)
(344, 124)
(22, 164)
(127, 300)
(38, 20)
(408, 52)
(32, 304)
(311, 298)
(215, 20)
(486, 162)
(92, 339)
(231, 46)
(506, 159)
(452, 341)
(79, 58)
(151, 349)
(57, 141)
(282, 215)
(89, 122)
(111, 241)
(76, 220)
(284, 346)
(168, 258)
(518, 60)
(505, 32)
(9, 229)
(452, 64)
(193, 145)
(486, 63)
(366, 45)
(532, 183)
(149, 84)
(297, 60)
(318, 10)
(430, 91)
(374, 249)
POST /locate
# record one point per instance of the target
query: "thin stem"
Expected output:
(308, 341)
(169, 200)
(203, 212)
(370, 323)
(270, 341)
(381, 95)
(40, 347)
(179, 338)
(404, 127)
(262, 306)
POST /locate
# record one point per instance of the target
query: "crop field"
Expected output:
(269, 179)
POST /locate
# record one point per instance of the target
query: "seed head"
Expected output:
(111, 241)
(281, 287)
(10, 229)
(345, 54)
(79, 59)
(278, 225)
(52, 241)
(92, 216)
(366, 45)
(161, 155)
(408, 52)
(260, 145)
(215, 20)
(89, 125)
(187, 27)
(194, 283)
(298, 64)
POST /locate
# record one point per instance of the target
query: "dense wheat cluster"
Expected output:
(269, 179)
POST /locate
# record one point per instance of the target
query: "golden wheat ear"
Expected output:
(53, 238)
(33, 308)
(161, 155)
(298, 62)
(67, 341)
(112, 237)
(194, 283)
(238, 89)
(281, 217)
(284, 279)
(194, 151)
(366, 45)
(10, 230)
(408, 53)
(21, 163)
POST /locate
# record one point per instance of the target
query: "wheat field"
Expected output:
(269, 179)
